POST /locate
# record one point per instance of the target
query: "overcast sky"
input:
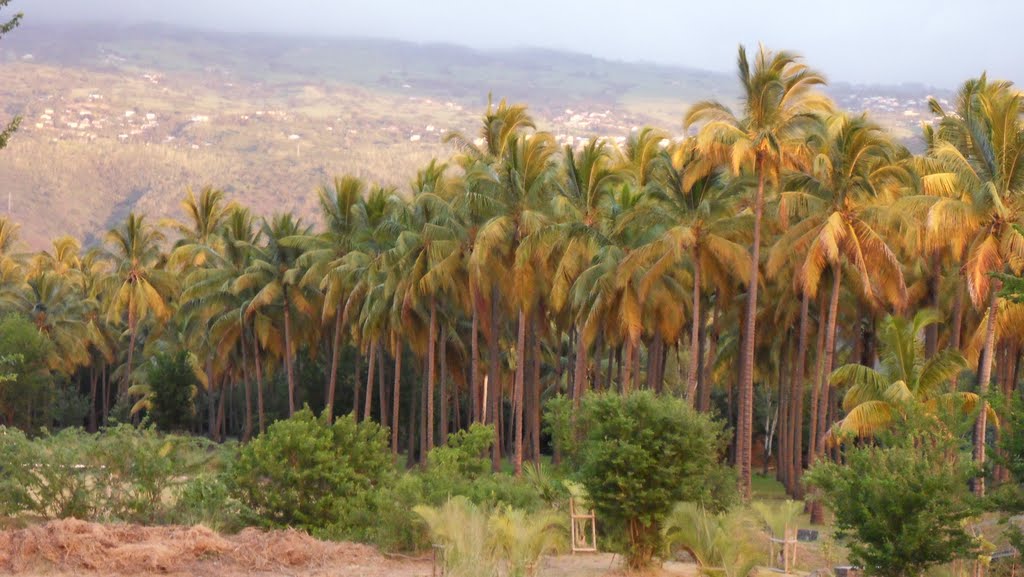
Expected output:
(939, 42)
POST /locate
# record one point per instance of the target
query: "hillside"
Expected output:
(117, 117)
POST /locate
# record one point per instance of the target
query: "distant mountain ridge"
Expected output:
(121, 117)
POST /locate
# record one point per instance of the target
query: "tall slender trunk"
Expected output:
(812, 440)
(431, 373)
(635, 363)
(535, 408)
(627, 367)
(288, 352)
(958, 321)
(211, 405)
(830, 351)
(931, 333)
(220, 408)
(93, 398)
(370, 368)
(654, 362)
(382, 397)
(817, 511)
(796, 408)
(395, 395)
(261, 413)
(984, 376)
(332, 381)
(443, 393)
(710, 360)
(133, 331)
(474, 356)
(494, 381)
(517, 400)
(785, 440)
(357, 384)
(745, 426)
(695, 333)
(579, 380)
(247, 427)
(106, 393)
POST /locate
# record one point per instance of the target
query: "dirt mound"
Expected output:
(76, 546)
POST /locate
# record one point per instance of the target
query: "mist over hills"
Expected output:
(121, 117)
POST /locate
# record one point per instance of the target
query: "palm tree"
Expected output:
(696, 215)
(141, 287)
(276, 276)
(324, 259)
(906, 377)
(855, 167)
(982, 147)
(779, 100)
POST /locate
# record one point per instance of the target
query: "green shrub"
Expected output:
(122, 473)
(723, 544)
(305, 473)
(173, 384)
(639, 455)
(902, 503)
(483, 542)
(205, 500)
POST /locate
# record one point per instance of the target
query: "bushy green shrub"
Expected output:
(205, 500)
(903, 503)
(480, 541)
(306, 473)
(173, 385)
(639, 455)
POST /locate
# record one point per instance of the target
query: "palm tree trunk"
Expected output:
(288, 353)
(431, 374)
(247, 427)
(984, 376)
(958, 320)
(535, 408)
(474, 355)
(443, 393)
(579, 380)
(133, 330)
(259, 384)
(93, 381)
(517, 400)
(931, 333)
(357, 383)
(382, 398)
(627, 366)
(494, 381)
(830, 351)
(709, 363)
(745, 426)
(817, 512)
(695, 341)
(332, 381)
(395, 395)
(796, 404)
(635, 363)
(812, 440)
(371, 367)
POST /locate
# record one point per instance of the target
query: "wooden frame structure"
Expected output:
(583, 527)
(788, 550)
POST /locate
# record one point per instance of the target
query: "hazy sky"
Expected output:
(934, 41)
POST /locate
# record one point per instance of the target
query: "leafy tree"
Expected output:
(172, 381)
(903, 502)
(639, 455)
(27, 390)
(303, 472)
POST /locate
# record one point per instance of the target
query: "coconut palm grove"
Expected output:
(771, 316)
